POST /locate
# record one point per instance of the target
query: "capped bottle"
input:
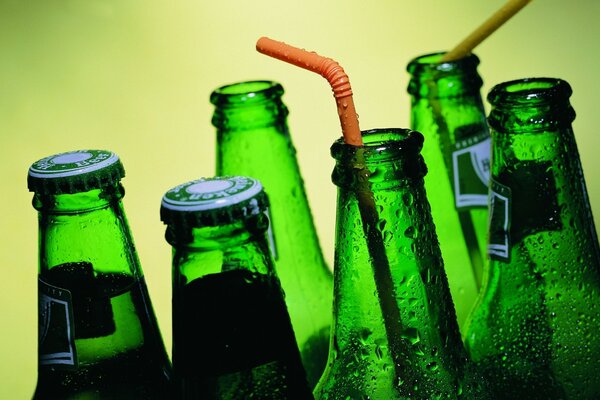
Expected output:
(253, 139)
(534, 330)
(98, 336)
(232, 335)
(446, 106)
(395, 334)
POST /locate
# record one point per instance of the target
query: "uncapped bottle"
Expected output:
(232, 335)
(446, 107)
(534, 330)
(395, 334)
(98, 336)
(253, 140)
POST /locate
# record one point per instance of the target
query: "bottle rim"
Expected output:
(380, 139)
(245, 92)
(380, 144)
(430, 63)
(527, 91)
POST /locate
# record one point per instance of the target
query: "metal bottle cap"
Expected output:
(213, 201)
(75, 171)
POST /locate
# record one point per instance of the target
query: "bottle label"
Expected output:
(471, 170)
(56, 340)
(271, 235)
(534, 198)
(500, 221)
(526, 205)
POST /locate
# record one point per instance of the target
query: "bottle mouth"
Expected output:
(530, 105)
(430, 63)
(387, 157)
(431, 78)
(246, 92)
(529, 91)
(380, 144)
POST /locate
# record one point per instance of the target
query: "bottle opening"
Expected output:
(387, 156)
(529, 90)
(246, 87)
(431, 78)
(527, 86)
(431, 62)
(380, 144)
(242, 92)
(530, 105)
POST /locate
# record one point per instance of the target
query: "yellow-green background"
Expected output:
(134, 76)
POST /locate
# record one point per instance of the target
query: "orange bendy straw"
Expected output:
(486, 29)
(330, 70)
(382, 275)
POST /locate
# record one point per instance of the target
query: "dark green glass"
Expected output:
(232, 335)
(253, 140)
(446, 107)
(395, 334)
(98, 336)
(535, 327)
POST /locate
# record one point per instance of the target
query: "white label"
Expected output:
(271, 235)
(56, 343)
(471, 167)
(500, 221)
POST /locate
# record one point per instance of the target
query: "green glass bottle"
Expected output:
(446, 107)
(534, 330)
(232, 335)
(395, 334)
(253, 140)
(98, 336)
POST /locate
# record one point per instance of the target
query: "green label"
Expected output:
(500, 221)
(56, 340)
(471, 169)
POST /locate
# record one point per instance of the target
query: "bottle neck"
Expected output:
(431, 78)
(213, 249)
(78, 203)
(92, 297)
(88, 227)
(447, 107)
(538, 185)
(391, 295)
(253, 136)
(249, 106)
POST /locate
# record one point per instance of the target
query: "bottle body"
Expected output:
(446, 107)
(232, 335)
(254, 140)
(395, 334)
(98, 334)
(534, 326)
